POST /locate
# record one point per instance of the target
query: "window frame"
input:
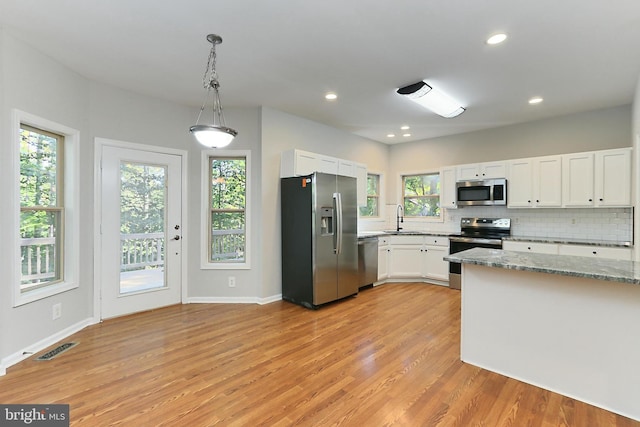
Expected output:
(403, 175)
(379, 216)
(205, 223)
(69, 224)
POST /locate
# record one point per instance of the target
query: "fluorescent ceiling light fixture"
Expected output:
(405, 127)
(497, 38)
(406, 134)
(330, 96)
(432, 99)
(391, 135)
(217, 134)
(536, 100)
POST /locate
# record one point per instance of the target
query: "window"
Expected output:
(41, 208)
(421, 195)
(46, 209)
(373, 197)
(227, 215)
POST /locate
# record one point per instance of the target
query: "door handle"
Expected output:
(176, 237)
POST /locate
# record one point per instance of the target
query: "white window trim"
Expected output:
(205, 264)
(401, 198)
(71, 207)
(381, 204)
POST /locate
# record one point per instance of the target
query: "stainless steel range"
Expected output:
(476, 233)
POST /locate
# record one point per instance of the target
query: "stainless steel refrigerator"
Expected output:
(319, 239)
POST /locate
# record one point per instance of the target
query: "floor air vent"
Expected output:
(56, 351)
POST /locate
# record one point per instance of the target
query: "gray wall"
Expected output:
(35, 83)
(593, 130)
(281, 132)
(636, 166)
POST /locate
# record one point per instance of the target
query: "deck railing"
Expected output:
(227, 245)
(138, 251)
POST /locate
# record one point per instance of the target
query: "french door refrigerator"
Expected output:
(319, 239)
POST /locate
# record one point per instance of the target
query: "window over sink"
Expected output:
(421, 195)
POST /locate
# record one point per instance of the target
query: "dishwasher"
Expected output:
(367, 260)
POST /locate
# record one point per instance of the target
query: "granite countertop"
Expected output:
(566, 265)
(365, 234)
(572, 241)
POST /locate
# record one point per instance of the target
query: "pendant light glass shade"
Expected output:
(213, 136)
(217, 134)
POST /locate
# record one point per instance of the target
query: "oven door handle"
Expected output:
(476, 240)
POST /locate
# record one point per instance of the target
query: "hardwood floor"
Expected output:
(389, 356)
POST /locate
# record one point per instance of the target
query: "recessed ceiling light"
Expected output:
(330, 96)
(406, 134)
(536, 100)
(391, 135)
(405, 127)
(497, 38)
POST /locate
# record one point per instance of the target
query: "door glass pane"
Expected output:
(142, 227)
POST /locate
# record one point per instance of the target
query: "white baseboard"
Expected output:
(233, 300)
(42, 344)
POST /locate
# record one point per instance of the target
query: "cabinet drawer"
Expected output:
(436, 240)
(533, 247)
(596, 251)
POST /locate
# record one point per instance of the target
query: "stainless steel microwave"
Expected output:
(488, 192)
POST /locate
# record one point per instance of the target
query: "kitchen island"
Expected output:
(564, 323)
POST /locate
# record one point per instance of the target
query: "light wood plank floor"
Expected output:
(387, 357)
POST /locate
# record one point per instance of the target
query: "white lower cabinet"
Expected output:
(418, 257)
(405, 261)
(383, 258)
(434, 266)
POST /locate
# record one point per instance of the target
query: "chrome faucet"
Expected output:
(399, 217)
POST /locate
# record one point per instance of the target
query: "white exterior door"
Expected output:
(141, 230)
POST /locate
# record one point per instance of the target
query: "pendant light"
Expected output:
(217, 134)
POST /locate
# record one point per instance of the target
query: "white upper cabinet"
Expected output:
(301, 163)
(597, 178)
(476, 171)
(448, 187)
(535, 182)
(347, 168)
(613, 177)
(577, 180)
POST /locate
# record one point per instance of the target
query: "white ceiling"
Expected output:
(578, 54)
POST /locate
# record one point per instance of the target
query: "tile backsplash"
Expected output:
(609, 224)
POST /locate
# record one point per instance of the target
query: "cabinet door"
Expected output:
(547, 178)
(493, 170)
(613, 177)
(448, 188)
(577, 180)
(519, 183)
(405, 261)
(328, 165)
(434, 266)
(468, 172)
(383, 260)
(347, 168)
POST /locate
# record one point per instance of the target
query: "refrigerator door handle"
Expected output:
(337, 199)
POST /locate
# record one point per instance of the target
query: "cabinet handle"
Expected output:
(528, 201)
(591, 200)
(529, 247)
(601, 199)
(595, 253)
(537, 201)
